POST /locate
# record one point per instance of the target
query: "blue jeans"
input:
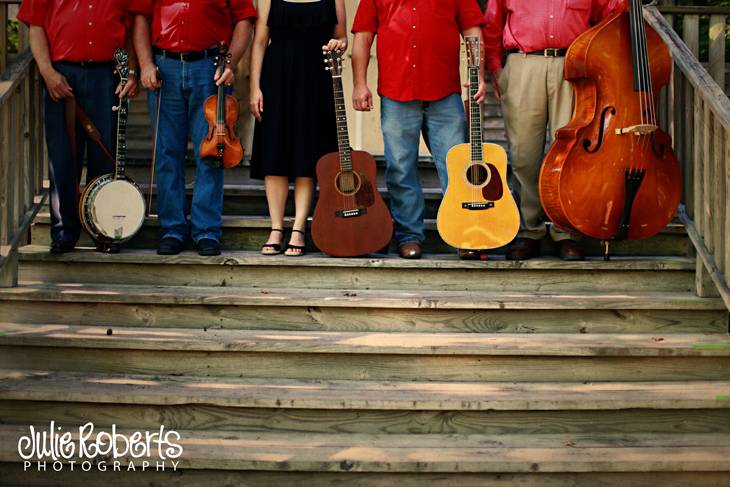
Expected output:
(93, 88)
(185, 87)
(443, 123)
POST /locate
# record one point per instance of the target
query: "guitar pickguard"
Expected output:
(366, 195)
(494, 190)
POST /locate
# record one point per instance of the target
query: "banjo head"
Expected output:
(116, 210)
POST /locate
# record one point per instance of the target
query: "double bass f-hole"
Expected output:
(605, 119)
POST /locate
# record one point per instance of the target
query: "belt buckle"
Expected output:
(184, 57)
(551, 52)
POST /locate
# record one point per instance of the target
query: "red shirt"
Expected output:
(79, 30)
(418, 44)
(193, 25)
(530, 25)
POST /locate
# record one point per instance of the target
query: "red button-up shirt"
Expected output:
(530, 25)
(418, 44)
(79, 30)
(193, 25)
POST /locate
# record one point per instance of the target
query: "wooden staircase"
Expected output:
(373, 371)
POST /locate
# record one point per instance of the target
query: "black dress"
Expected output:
(298, 122)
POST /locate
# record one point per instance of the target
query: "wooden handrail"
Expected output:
(694, 10)
(698, 116)
(22, 160)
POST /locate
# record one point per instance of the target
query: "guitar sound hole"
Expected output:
(348, 183)
(477, 174)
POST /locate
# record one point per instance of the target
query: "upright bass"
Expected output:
(611, 173)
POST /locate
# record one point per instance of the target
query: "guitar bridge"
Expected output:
(351, 213)
(478, 206)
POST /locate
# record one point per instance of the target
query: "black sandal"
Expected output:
(276, 248)
(300, 249)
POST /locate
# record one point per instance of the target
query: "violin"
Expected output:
(221, 147)
(611, 173)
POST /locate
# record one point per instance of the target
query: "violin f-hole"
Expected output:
(605, 119)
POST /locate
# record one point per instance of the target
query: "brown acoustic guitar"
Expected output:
(350, 218)
(478, 211)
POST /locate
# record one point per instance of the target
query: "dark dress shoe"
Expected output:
(208, 247)
(170, 246)
(570, 250)
(410, 250)
(469, 254)
(523, 249)
(62, 247)
(107, 248)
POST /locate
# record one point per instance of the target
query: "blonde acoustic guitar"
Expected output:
(478, 211)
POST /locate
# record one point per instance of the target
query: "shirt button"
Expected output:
(90, 24)
(90, 42)
(414, 9)
(91, 6)
(552, 36)
(413, 26)
(414, 65)
(552, 16)
(414, 46)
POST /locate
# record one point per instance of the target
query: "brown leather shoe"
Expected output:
(570, 250)
(410, 250)
(523, 249)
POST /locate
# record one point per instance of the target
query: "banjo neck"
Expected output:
(122, 111)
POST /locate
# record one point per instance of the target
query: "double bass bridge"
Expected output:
(639, 129)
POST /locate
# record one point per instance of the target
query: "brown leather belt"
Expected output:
(549, 52)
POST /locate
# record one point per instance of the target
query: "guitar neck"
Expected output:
(343, 138)
(121, 135)
(475, 115)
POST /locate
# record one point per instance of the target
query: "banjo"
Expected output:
(112, 207)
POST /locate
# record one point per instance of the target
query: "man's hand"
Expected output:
(256, 103)
(495, 82)
(149, 78)
(481, 93)
(362, 98)
(56, 84)
(227, 78)
(131, 88)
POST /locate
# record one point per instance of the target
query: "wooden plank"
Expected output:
(370, 319)
(9, 269)
(436, 453)
(278, 341)
(691, 33)
(5, 174)
(487, 279)
(687, 116)
(694, 10)
(148, 257)
(350, 299)
(719, 195)
(677, 421)
(16, 477)
(293, 421)
(718, 35)
(371, 367)
(359, 394)
(726, 237)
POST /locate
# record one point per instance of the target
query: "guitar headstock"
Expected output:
(223, 58)
(121, 57)
(333, 61)
(473, 51)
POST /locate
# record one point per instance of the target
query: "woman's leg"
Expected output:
(303, 192)
(277, 190)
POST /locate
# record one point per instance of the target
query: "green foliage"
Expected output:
(13, 26)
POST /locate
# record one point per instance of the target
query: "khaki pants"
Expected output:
(535, 96)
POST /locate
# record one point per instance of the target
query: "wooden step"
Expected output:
(435, 272)
(16, 477)
(55, 386)
(358, 356)
(249, 232)
(436, 453)
(277, 341)
(333, 310)
(82, 293)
